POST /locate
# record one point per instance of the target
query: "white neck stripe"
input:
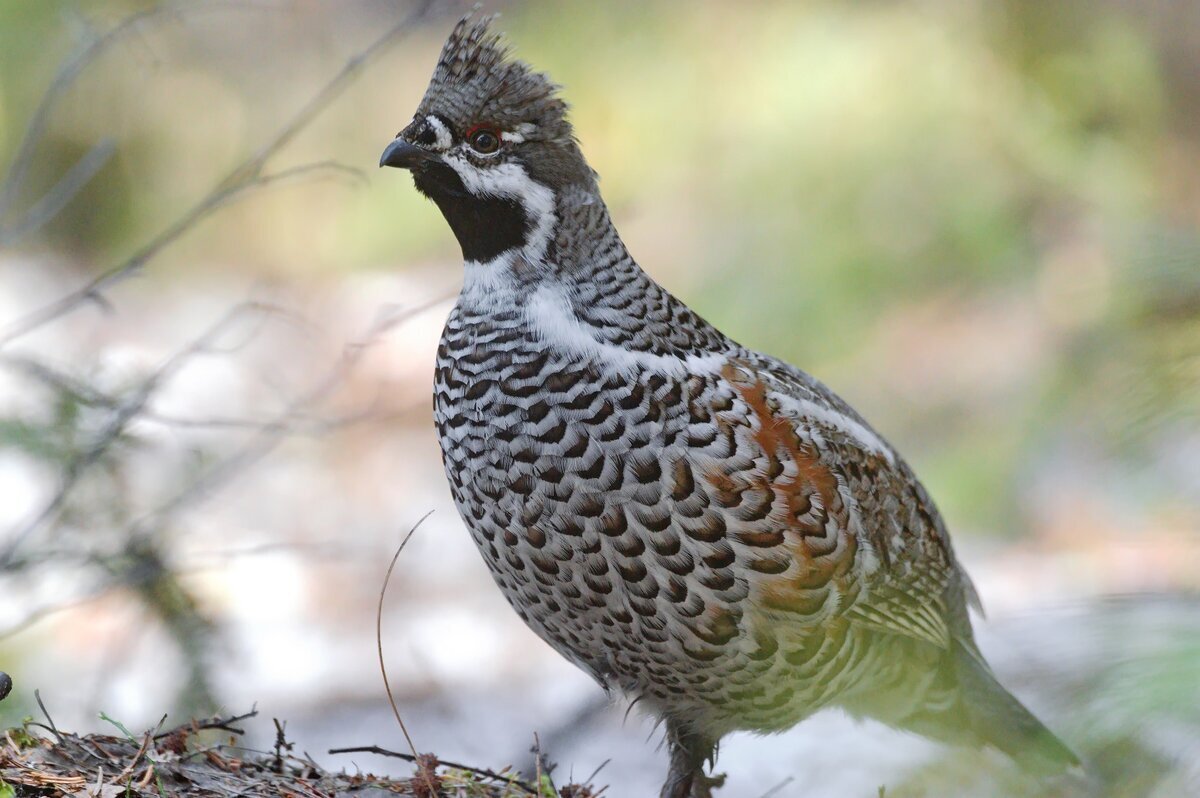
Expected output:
(550, 316)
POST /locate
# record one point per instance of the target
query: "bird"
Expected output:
(703, 528)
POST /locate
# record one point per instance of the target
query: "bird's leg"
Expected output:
(686, 778)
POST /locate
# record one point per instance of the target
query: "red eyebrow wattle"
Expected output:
(471, 131)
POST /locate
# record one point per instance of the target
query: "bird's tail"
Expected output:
(999, 719)
(966, 705)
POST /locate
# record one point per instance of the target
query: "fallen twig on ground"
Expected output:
(185, 762)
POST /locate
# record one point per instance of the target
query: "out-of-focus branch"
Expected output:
(267, 436)
(79, 174)
(87, 394)
(124, 548)
(45, 209)
(243, 177)
(18, 170)
(123, 414)
(274, 432)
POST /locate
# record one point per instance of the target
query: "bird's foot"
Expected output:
(685, 778)
(703, 786)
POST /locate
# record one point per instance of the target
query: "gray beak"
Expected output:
(404, 155)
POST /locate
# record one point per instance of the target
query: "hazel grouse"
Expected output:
(695, 524)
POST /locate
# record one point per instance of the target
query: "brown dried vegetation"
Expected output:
(203, 758)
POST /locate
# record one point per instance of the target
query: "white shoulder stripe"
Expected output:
(551, 316)
(829, 417)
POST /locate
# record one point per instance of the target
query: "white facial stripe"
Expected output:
(441, 134)
(518, 135)
(511, 181)
(550, 314)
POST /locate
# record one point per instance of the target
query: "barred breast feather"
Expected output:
(692, 522)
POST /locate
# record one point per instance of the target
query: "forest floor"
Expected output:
(203, 758)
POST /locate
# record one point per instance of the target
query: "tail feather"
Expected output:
(999, 719)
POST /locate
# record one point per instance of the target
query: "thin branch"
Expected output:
(124, 413)
(484, 772)
(268, 437)
(244, 176)
(251, 168)
(18, 170)
(272, 433)
(592, 778)
(142, 749)
(91, 396)
(282, 746)
(59, 381)
(224, 724)
(65, 190)
(35, 131)
(775, 790)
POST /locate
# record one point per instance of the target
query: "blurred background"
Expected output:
(979, 222)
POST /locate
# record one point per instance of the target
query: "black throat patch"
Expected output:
(484, 226)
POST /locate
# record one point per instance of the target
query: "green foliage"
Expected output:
(22, 736)
(119, 726)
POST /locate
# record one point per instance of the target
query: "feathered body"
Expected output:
(698, 525)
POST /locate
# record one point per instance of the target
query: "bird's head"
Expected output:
(491, 145)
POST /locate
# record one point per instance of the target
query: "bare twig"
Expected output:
(91, 396)
(282, 746)
(537, 764)
(775, 789)
(70, 184)
(224, 724)
(246, 175)
(271, 434)
(501, 777)
(124, 413)
(86, 168)
(34, 132)
(592, 778)
(128, 771)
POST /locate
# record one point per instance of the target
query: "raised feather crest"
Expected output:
(477, 80)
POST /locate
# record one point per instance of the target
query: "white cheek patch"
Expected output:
(511, 181)
(441, 134)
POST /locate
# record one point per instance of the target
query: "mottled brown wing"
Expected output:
(864, 540)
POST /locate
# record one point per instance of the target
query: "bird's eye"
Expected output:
(484, 140)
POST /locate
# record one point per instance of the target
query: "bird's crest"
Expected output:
(477, 80)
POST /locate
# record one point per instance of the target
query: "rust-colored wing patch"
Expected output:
(789, 499)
